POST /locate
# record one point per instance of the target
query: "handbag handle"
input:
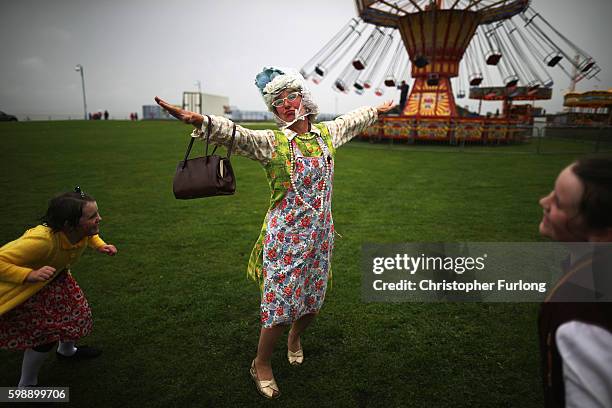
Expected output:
(208, 130)
(231, 146)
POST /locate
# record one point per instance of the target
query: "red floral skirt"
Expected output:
(59, 311)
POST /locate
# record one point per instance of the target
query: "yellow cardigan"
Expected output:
(36, 248)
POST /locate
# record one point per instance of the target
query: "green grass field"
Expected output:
(178, 320)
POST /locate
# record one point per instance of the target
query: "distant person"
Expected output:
(135, 115)
(40, 302)
(89, 115)
(576, 335)
(131, 115)
(105, 115)
(291, 259)
(403, 87)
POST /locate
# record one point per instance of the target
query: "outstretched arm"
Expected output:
(349, 125)
(254, 144)
(185, 116)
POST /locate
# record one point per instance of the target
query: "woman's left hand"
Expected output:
(385, 107)
(108, 250)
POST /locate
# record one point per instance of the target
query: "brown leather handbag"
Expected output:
(206, 176)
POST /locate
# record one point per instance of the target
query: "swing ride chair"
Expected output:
(467, 45)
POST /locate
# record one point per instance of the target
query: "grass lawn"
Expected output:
(178, 320)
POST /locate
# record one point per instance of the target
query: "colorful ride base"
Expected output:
(589, 108)
(430, 115)
(589, 100)
(447, 130)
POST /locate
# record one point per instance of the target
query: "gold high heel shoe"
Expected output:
(295, 358)
(267, 388)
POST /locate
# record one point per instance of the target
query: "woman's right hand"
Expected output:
(40, 275)
(185, 116)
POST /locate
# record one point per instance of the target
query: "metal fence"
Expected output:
(538, 139)
(467, 137)
(26, 117)
(590, 138)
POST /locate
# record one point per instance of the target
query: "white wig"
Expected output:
(272, 81)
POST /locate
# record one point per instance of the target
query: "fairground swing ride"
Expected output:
(450, 47)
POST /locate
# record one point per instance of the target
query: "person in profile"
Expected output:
(105, 115)
(40, 302)
(575, 320)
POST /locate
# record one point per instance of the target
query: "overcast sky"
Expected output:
(132, 50)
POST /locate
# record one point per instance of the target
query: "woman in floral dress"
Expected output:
(291, 259)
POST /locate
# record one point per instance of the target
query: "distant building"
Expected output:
(154, 112)
(192, 101)
(237, 115)
(214, 104)
(205, 103)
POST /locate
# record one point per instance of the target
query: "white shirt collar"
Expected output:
(291, 134)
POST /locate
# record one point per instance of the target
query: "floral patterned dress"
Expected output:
(291, 258)
(298, 242)
(59, 311)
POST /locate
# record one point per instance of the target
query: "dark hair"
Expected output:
(595, 172)
(66, 209)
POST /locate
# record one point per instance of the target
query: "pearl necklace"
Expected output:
(325, 176)
(303, 139)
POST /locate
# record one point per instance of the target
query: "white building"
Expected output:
(205, 103)
(192, 101)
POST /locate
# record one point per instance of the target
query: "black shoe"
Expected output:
(82, 353)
